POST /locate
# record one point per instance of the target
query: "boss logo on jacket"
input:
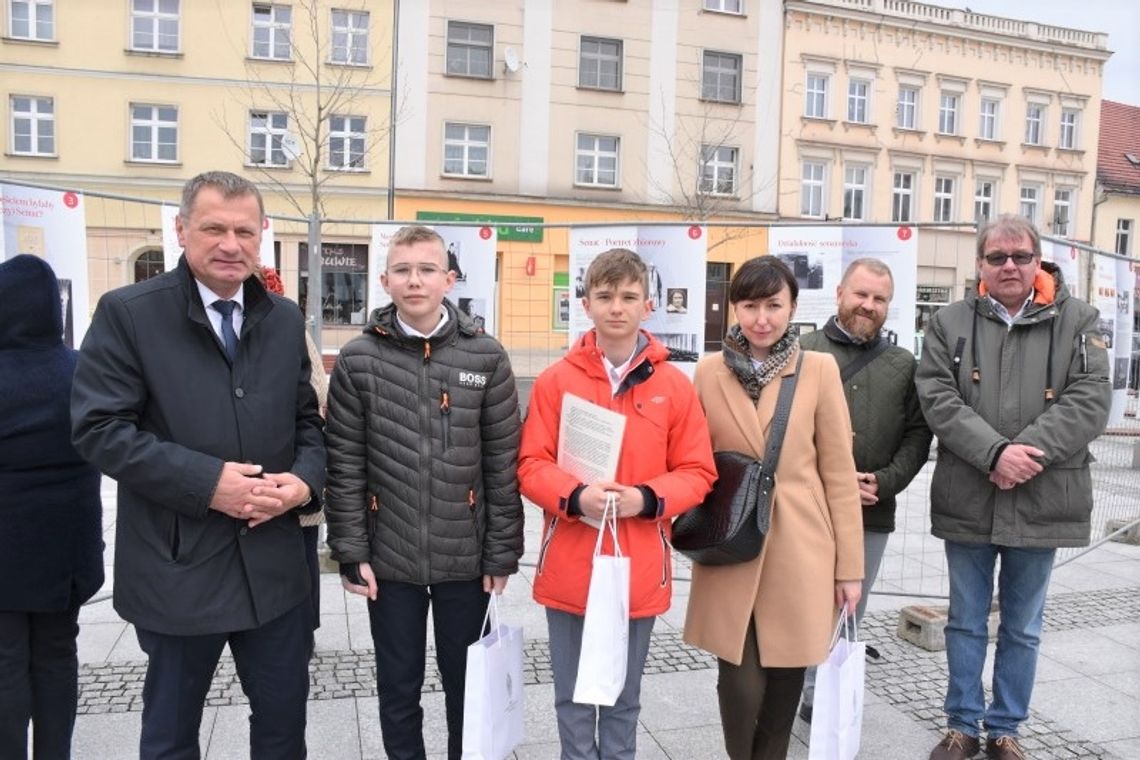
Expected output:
(472, 380)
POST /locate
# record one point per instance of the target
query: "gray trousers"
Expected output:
(874, 546)
(590, 732)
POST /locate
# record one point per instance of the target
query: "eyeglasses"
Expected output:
(424, 271)
(998, 259)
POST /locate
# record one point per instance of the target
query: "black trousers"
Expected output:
(39, 682)
(272, 662)
(399, 632)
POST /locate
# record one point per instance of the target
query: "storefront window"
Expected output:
(344, 282)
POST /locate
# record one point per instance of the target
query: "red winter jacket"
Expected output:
(666, 447)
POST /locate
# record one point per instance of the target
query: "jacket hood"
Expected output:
(1048, 284)
(382, 321)
(30, 311)
(586, 354)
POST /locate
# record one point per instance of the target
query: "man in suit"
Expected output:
(192, 391)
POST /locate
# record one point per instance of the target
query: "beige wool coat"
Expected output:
(816, 534)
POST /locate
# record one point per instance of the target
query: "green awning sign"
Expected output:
(520, 227)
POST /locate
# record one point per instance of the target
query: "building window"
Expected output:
(272, 29)
(815, 96)
(33, 125)
(811, 189)
(854, 192)
(1069, 121)
(344, 282)
(466, 148)
(154, 25)
(720, 77)
(1124, 237)
(948, 114)
(984, 193)
(32, 19)
(469, 49)
(906, 116)
(350, 37)
(154, 133)
(718, 170)
(149, 263)
(902, 197)
(725, 6)
(599, 64)
(1034, 120)
(266, 131)
(596, 160)
(1030, 197)
(943, 199)
(988, 128)
(858, 94)
(346, 142)
(1062, 211)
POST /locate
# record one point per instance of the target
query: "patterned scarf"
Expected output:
(738, 357)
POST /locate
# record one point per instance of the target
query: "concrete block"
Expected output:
(1130, 536)
(924, 626)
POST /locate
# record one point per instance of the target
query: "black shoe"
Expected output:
(805, 713)
(872, 653)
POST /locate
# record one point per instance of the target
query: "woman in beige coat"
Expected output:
(766, 620)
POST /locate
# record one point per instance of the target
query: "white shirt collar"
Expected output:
(616, 373)
(443, 318)
(209, 296)
(1003, 312)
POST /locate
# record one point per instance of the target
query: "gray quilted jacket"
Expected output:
(423, 442)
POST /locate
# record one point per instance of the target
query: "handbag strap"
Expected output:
(780, 419)
(864, 358)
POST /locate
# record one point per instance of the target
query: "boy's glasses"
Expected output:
(1021, 258)
(424, 271)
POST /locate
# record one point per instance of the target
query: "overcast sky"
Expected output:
(1120, 19)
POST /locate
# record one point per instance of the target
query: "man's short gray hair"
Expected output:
(228, 184)
(1008, 226)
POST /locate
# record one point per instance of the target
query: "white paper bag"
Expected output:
(605, 631)
(837, 713)
(493, 693)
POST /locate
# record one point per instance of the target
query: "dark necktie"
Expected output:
(229, 337)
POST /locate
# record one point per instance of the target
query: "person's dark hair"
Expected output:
(228, 184)
(762, 277)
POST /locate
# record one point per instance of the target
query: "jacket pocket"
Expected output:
(371, 516)
(824, 515)
(174, 537)
(546, 539)
(666, 551)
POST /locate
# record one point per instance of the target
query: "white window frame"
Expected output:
(813, 195)
(462, 47)
(989, 119)
(1123, 242)
(348, 141)
(945, 197)
(816, 86)
(1069, 136)
(1035, 123)
(985, 198)
(598, 63)
(714, 63)
(156, 126)
(949, 110)
(468, 146)
(718, 170)
(596, 157)
(349, 37)
(275, 28)
(903, 195)
(38, 124)
(906, 113)
(855, 192)
(1029, 201)
(266, 138)
(155, 18)
(1064, 210)
(735, 7)
(38, 29)
(859, 101)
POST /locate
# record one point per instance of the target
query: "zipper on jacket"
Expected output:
(427, 351)
(546, 544)
(373, 513)
(666, 548)
(445, 423)
(426, 444)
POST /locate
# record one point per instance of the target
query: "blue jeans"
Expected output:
(1022, 583)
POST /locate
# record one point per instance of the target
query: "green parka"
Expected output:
(1052, 345)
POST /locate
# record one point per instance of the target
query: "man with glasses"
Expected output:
(422, 501)
(1014, 384)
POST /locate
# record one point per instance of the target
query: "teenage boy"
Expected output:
(422, 499)
(666, 467)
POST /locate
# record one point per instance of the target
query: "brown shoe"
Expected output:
(1005, 748)
(956, 746)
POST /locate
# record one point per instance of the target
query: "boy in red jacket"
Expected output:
(665, 468)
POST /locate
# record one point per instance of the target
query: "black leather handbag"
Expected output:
(730, 524)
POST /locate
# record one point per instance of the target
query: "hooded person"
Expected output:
(51, 545)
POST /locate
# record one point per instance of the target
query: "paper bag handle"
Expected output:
(609, 520)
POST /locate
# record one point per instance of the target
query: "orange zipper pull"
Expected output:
(373, 506)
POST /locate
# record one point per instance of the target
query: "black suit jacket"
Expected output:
(157, 406)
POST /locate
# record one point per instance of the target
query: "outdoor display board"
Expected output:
(1113, 281)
